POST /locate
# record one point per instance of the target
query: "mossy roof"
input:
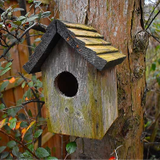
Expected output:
(84, 39)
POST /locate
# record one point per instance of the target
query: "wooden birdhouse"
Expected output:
(79, 79)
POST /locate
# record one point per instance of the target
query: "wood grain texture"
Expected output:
(99, 49)
(94, 108)
(83, 33)
(93, 41)
(79, 26)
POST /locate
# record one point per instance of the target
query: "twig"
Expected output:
(151, 14)
(33, 100)
(153, 19)
(22, 4)
(66, 156)
(38, 27)
(14, 43)
(19, 143)
(156, 38)
(30, 88)
(152, 144)
(115, 151)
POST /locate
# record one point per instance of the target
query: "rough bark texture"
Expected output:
(118, 21)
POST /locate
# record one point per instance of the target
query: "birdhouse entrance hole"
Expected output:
(67, 84)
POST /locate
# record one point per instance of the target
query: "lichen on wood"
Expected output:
(93, 109)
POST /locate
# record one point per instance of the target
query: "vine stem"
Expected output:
(66, 156)
(19, 143)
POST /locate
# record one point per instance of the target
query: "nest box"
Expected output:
(79, 79)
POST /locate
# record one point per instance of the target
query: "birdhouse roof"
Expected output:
(84, 39)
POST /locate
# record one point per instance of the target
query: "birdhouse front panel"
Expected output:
(81, 100)
(78, 68)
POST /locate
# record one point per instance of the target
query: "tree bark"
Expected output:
(118, 21)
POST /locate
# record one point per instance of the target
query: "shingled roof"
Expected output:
(84, 39)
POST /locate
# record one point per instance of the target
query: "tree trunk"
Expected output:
(118, 21)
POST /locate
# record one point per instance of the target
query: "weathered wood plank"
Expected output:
(93, 41)
(83, 33)
(79, 26)
(102, 48)
(112, 56)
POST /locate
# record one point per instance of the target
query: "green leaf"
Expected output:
(158, 61)
(18, 23)
(37, 40)
(30, 1)
(22, 116)
(18, 134)
(4, 85)
(23, 124)
(29, 113)
(32, 18)
(4, 155)
(15, 151)
(11, 144)
(2, 148)
(28, 136)
(27, 154)
(39, 84)
(41, 152)
(52, 158)
(21, 18)
(2, 106)
(13, 122)
(23, 84)
(34, 78)
(13, 111)
(28, 94)
(41, 121)
(31, 147)
(48, 150)
(8, 65)
(158, 80)
(153, 67)
(19, 102)
(46, 14)
(5, 71)
(71, 147)
(7, 128)
(4, 115)
(18, 9)
(9, 157)
(38, 133)
(37, 3)
(30, 84)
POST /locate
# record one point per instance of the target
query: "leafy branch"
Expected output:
(19, 142)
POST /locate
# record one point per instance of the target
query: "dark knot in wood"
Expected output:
(141, 41)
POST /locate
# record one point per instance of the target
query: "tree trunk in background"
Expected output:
(118, 21)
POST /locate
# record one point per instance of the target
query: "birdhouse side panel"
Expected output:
(103, 99)
(66, 113)
(81, 101)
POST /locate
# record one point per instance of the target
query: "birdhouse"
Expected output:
(79, 79)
